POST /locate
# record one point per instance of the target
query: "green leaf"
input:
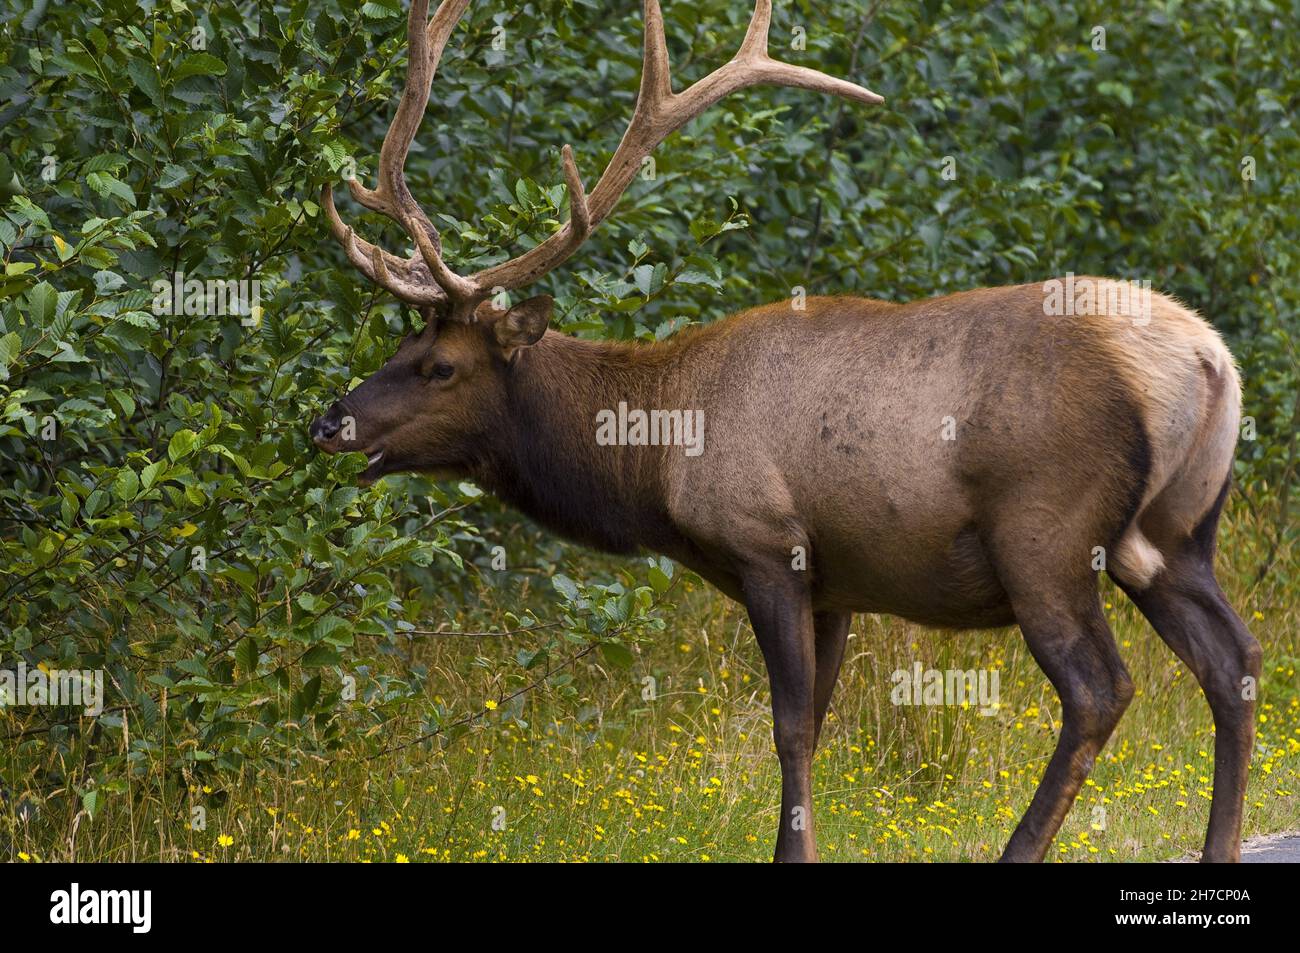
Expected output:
(659, 580)
(76, 62)
(9, 183)
(31, 212)
(311, 692)
(693, 276)
(106, 162)
(376, 10)
(150, 473)
(42, 300)
(139, 319)
(320, 655)
(199, 64)
(105, 185)
(332, 629)
(145, 76)
(182, 444)
(617, 654)
(172, 176)
(565, 587)
(246, 656)
(1118, 90)
(643, 277)
(106, 282)
(126, 485)
(10, 347)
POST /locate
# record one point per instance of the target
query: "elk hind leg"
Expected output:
(1189, 611)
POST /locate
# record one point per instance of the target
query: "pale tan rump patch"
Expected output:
(1185, 382)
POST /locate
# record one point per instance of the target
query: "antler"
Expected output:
(410, 279)
(658, 112)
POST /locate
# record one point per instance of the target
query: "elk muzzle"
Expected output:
(336, 432)
(327, 430)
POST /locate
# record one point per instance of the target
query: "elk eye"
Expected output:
(443, 371)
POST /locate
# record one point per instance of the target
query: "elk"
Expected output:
(1071, 436)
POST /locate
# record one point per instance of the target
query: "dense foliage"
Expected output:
(162, 516)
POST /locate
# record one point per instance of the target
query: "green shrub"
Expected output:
(162, 516)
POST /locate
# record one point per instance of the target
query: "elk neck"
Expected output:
(545, 460)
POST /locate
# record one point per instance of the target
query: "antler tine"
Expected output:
(753, 66)
(755, 42)
(579, 213)
(655, 90)
(392, 197)
(363, 256)
(542, 258)
(656, 74)
(658, 112)
(753, 52)
(425, 42)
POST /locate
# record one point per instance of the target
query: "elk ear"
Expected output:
(524, 324)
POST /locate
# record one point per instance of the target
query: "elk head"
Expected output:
(434, 402)
(426, 408)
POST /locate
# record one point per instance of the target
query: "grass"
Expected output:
(596, 767)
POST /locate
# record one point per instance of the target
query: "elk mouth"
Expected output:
(374, 467)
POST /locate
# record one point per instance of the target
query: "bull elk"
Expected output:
(1073, 436)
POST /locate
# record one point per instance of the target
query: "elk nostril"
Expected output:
(324, 429)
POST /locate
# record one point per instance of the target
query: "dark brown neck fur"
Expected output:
(545, 460)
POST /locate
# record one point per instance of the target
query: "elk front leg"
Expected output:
(780, 611)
